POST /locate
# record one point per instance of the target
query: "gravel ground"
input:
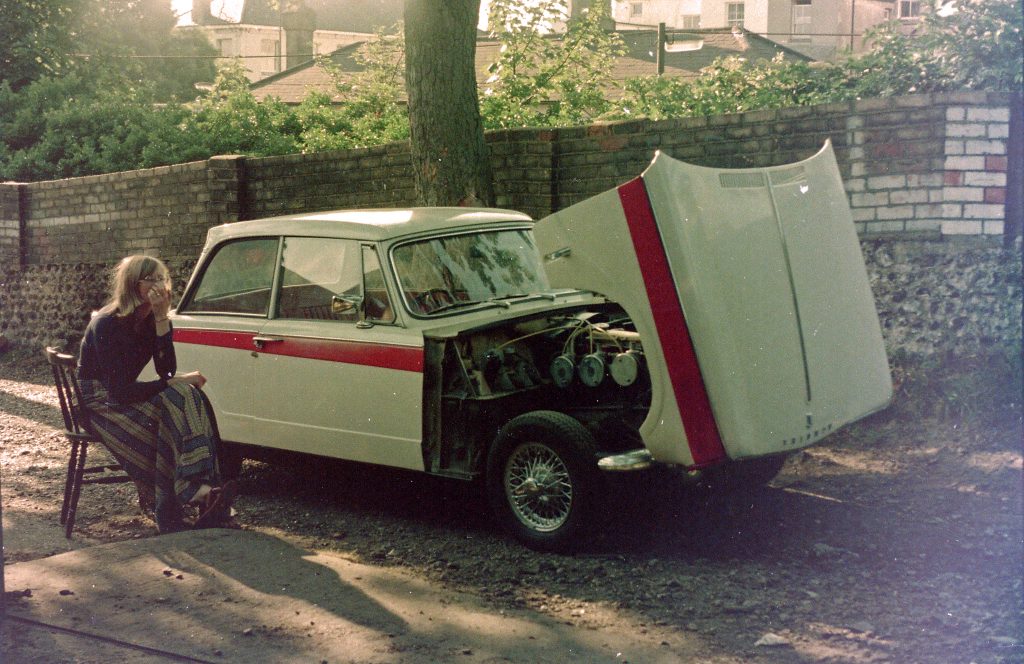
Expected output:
(896, 540)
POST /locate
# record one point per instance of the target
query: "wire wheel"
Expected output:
(538, 486)
(542, 480)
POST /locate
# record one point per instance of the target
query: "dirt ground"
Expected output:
(896, 540)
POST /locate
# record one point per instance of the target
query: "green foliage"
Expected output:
(37, 39)
(134, 39)
(75, 125)
(371, 111)
(976, 48)
(729, 85)
(62, 116)
(541, 80)
(131, 39)
(230, 120)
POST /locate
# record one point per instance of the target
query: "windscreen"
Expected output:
(439, 272)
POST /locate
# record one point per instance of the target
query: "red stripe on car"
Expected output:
(401, 358)
(684, 372)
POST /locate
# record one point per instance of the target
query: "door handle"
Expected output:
(260, 341)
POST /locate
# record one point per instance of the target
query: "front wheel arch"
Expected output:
(542, 480)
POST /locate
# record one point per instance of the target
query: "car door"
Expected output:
(335, 375)
(216, 322)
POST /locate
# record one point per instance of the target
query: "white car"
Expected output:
(692, 317)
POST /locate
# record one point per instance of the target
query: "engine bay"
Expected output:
(587, 358)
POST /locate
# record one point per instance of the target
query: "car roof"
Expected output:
(368, 224)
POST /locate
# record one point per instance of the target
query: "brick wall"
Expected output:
(921, 168)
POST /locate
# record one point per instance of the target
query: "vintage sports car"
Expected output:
(693, 317)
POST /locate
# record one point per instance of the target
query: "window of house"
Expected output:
(887, 14)
(691, 22)
(734, 14)
(226, 47)
(271, 48)
(801, 31)
(636, 9)
(910, 8)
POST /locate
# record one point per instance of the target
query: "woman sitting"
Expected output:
(159, 430)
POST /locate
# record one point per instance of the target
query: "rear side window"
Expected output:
(237, 279)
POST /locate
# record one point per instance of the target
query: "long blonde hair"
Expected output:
(124, 279)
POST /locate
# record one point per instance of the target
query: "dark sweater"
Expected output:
(115, 354)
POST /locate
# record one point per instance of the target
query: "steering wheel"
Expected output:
(433, 298)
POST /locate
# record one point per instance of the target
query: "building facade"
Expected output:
(821, 29)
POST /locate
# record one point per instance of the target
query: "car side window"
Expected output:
(321, 278)
(237, 279)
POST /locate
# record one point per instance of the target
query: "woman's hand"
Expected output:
(192, 378)
(160, 300)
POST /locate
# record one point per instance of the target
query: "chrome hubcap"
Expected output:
(538, 487)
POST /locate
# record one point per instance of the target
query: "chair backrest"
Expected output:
(65, 367)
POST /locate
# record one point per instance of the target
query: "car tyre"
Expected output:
(542, 480)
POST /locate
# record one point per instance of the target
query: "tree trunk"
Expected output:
(449, 156)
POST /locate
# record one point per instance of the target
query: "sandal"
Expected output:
(218, 506)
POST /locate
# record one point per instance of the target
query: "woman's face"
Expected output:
(155, 280)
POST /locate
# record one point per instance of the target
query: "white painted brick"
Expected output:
(861, 227)
(856, 153)
(936, 196)
(999, 131)
(887, 182)
(923, 224)
(965, 163)
(863, 214)
(985, 179)
(961, 227)
(984, 211)
(978, 130)
(993, 227)
(954, 148)
(952, 211)
(956, 114)
(855, 122)
(896, 212)
(859, 169)
(908, 196)
(988, 114)
(985, 147)
(963, 194)
(868, 200)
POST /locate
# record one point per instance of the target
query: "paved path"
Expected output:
(240, 596)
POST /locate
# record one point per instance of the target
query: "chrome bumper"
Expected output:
(632, 460)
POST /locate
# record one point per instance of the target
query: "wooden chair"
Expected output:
(78, 433)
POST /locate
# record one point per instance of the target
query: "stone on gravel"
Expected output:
(770, 640)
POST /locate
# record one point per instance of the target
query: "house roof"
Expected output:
(291, 85)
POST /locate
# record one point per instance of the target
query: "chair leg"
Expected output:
(69, 483)
(76, 490)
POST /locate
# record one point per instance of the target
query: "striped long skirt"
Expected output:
(166, 444)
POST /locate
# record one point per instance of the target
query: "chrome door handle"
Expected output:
(259, 341)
